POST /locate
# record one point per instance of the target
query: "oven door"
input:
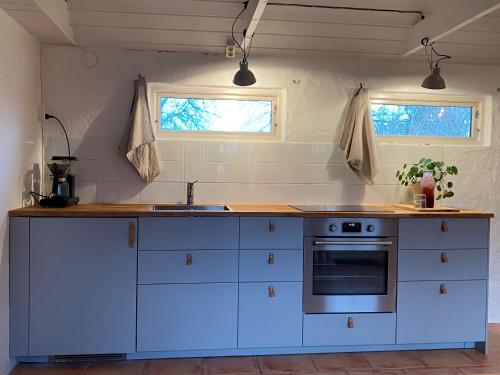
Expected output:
(348, 275)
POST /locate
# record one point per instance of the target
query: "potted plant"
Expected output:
(411, 174)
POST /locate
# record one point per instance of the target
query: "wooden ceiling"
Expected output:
(204, 26)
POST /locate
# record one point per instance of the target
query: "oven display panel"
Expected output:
(351, 228)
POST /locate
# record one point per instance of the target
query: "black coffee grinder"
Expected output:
(63, 183)
(63, 177)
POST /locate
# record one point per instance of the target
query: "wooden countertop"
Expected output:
(127, 210)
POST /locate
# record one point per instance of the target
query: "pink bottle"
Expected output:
(427, 186)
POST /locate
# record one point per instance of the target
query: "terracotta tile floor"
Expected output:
(427, 362)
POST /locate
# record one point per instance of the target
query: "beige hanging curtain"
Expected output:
(138, 143)
(358, 138)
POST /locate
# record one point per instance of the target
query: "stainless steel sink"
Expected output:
(188, 207)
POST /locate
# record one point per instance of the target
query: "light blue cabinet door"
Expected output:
(353, 329)
(416, 233)
(466, 264)
(425, 315)
(187, 316)
(83, 276)
(271, 265)
(197, 266)
(270, 317)
(271, 233)
(188, 233)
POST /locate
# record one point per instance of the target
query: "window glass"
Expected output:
(455, 121)
(216, 115)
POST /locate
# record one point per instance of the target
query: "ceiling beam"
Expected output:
(57, 13)
(253, 14)
(447, 20)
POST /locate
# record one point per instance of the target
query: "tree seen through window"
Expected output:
(422, 120)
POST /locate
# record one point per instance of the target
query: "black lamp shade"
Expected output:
(434, 81)
(244, 76)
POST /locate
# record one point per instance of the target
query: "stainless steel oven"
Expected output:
(350, 265)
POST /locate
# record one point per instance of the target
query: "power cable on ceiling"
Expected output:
(334, 7)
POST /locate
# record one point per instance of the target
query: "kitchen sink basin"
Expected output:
(188, 207)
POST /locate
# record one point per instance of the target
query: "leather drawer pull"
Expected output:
(272, 226)
(271, 291)
(270, 258)
(444, 258)
(444, 226)
(189, 260)
(131, 235)
(442, 289)
(350, 322)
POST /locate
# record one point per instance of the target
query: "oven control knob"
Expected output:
(332, 228)
(370, 228)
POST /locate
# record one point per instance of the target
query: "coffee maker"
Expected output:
(63, 182)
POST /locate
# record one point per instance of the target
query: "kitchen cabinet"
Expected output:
(442, 280)
(188, 233)
(187, 316)
(416, 233)
(270, 315)
(464, 264)
(270, 289)
(188, 283)
(271, 232)
(195, 266)
(349, 329)
(228, 286)
(271, 265)
(441, 311)
(82, 286)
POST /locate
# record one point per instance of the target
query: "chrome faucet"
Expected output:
(190, 192)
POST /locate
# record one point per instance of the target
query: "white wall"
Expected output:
(20, 144)
(94, 103)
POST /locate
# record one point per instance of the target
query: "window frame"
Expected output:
(276, 96)
(478, 119)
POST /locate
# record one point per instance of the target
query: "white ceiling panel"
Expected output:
(205, 26)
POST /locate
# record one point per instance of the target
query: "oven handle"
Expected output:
(352, 243)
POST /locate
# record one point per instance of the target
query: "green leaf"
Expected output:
(454, 169)
(406, 183)
(397, 173)
(439, 197)
(450, 184)
(449, 194)
(422, 160)
(438, 188)
(431, 166)
(404, 165)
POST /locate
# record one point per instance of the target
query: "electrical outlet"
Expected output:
(230, 51)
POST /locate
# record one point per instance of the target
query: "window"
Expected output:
(426, 119)
(211, 112)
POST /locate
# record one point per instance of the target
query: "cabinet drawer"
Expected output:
(270, 315)
(333, 329)
(271, 265)
(443, 233)
(187, 317)
(427, 316)
(188, 233)
(271, 232)
(198, 266)
(414, 265)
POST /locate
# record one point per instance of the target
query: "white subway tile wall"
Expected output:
(238, 172)
(244, 172)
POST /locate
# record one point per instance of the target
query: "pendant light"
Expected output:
(244, 76)
(434, 81)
